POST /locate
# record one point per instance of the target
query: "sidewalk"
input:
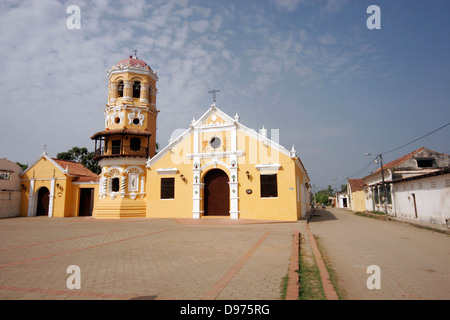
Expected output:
(412, 262)
(416, 223)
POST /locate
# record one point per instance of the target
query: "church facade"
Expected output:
(216, 168)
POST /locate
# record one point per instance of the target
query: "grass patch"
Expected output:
(333, 277)
(309, 276)
(284, 283)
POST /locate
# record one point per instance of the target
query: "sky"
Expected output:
(311, 69)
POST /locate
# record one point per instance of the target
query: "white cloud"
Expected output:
(54, 84)
(289, 5)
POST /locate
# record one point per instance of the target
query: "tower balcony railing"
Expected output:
(119, 151)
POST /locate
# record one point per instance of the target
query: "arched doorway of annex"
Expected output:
(216, 193)
(43, 200)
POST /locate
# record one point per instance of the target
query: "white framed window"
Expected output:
(5, 176)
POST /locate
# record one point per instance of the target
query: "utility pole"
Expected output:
(314, 192)
(384, 184)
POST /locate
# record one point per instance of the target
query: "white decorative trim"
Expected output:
(51, 197)
(134, 169)
(167, 171)
(78, 183)
(268, 168)
(216, 154)
(133, 69)
(31, 200)
(114, 171)
(214, 163)
(136, 113)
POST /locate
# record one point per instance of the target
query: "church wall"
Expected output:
(301, 193)
(287, 206)
(253, 206)
(181, 205)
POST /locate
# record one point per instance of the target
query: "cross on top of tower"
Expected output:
(214, 94)
(135, 53)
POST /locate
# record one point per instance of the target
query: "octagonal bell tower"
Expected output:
(128, 140)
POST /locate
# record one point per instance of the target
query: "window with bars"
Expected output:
(269, 186)
(167, 188)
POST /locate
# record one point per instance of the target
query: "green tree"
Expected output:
(83, 156)
(321, 197)
(23, 166)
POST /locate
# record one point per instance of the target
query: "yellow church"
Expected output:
(218, 167)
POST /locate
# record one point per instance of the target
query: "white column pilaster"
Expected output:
(31, 199)
(52, 197)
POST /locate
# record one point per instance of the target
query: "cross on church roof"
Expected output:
(135, 53)
(214, 94)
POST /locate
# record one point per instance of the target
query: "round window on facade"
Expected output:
(117, 120)
(215, 142)
(136, 121)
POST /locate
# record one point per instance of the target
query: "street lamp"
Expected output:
(382, 179)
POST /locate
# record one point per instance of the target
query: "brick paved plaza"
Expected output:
(160, 259)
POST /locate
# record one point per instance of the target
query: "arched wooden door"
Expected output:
(43, 199)
(216, 193)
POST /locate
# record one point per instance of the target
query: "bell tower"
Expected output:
(128, 140)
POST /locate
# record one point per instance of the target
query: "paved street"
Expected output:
(144, 258)
(414, 263)
(214, 259)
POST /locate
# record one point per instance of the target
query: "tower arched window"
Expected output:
(120, 88)
(137, 89)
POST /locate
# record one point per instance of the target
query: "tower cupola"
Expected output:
(130, 114)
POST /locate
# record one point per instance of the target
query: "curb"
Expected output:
(328, 287)
(293, 288)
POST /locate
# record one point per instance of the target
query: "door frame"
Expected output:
(205, 187)
(38, 201)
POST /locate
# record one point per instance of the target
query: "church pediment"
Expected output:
(213, 118)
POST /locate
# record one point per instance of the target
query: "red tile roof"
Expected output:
(132, 62)
(76, 169)
(356, 184)
(122, 131)
(400, 160)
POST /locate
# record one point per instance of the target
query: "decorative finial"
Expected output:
(293, 152)
(263, 132)
(45, 149)
(135, 53)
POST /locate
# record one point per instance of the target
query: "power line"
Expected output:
(372, 161)
(357, 173)
(416, 139)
